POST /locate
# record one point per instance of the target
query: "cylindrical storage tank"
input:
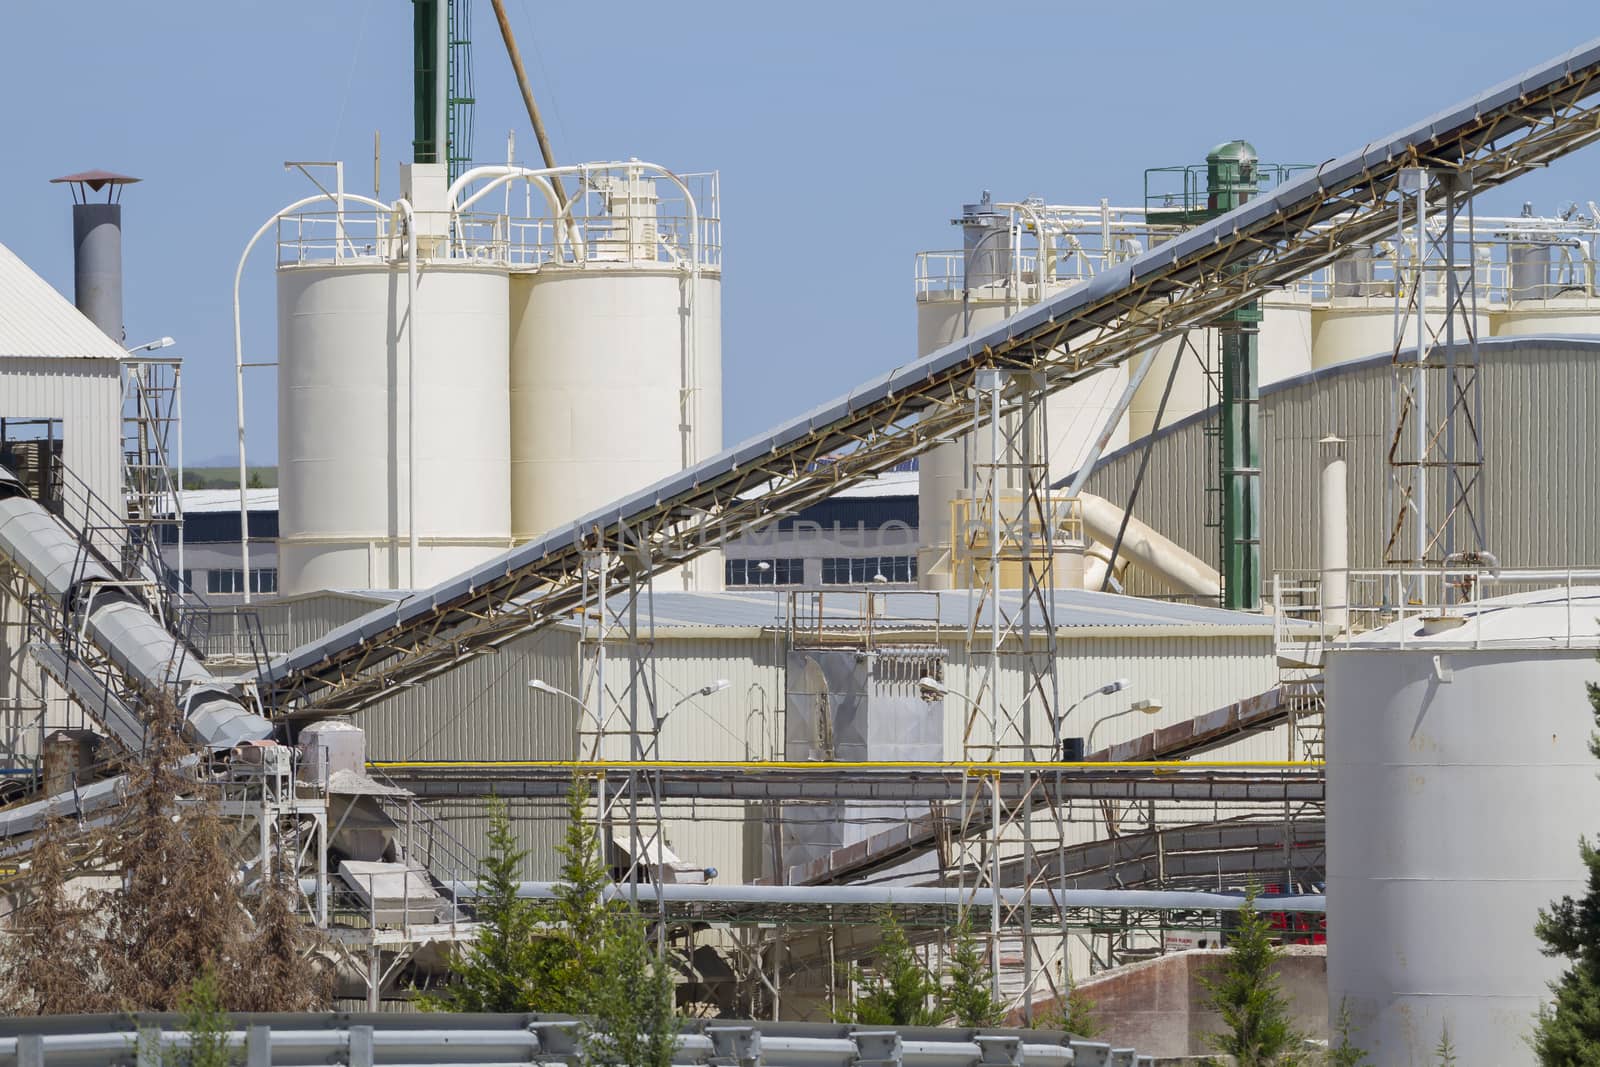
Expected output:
(1352, 328)
(1284, 345)
(1074, 417)
(344, 464)
(944, 473)
(1573, 314)
(1190, 392)
(602, 356)
(1459, 781)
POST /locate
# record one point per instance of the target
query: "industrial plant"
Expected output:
(1235, 542)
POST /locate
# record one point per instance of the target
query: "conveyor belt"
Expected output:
(1270, 241)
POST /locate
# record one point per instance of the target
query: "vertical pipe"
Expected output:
(995, 382)
(411, 389)
(1335, 537)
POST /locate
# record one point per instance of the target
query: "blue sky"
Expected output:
(847, 135)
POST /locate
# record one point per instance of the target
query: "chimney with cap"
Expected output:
(97, 247)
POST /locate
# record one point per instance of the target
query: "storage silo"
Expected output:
(1551, 291)
(1458, 781)
(616, 364)
(981, 296)
(345, 468)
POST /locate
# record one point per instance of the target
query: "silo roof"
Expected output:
(39, 323)
(1566, 616)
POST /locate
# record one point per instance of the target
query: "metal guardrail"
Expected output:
(373, 1040)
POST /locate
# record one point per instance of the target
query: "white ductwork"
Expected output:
(1147, 549)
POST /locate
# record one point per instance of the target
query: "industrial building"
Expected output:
(1161, 570)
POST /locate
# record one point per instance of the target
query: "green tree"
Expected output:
(501, 969)
(1074, 1013)
(1445, 1052)
(632, 1022)
(255, 481)
(567, 967)
(205, 1023)
(1257, 1030)
(900, 988)
(968, 998)
(1568, 1031)
(1344, 1054)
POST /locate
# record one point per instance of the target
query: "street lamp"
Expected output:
(1146, 707)
(545, 687)
(1116, 685)
(151, 346)
(704, 691)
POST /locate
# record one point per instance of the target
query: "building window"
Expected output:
(262, 580)
(764, 572)
(842, 570)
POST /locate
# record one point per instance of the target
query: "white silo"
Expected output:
(616, 357)
(1459, 781)
(1358, 319)
(1551, 289)
(346, 492)
(977, 289)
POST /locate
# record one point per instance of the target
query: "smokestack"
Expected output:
(97, 247)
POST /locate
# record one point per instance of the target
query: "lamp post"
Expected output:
(1147, 707)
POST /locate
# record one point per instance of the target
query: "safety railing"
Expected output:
(1309, 615)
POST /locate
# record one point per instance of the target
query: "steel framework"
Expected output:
(1195, 278)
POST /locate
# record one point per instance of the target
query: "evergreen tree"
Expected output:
(1445, 1053)
(632, 1019)
(1344, 1054)
(968, 998)
(1568, 1031)
(1257, 1031)
(500, 970)
(1074, 1014)
(900, 988)
(567, 967)
(205, 1023)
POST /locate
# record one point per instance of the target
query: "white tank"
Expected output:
(1285, 342)
(1074, 415)
(602, 357)
(343, 456)
(1459, 781)
(1558, 315)
(1356, 327)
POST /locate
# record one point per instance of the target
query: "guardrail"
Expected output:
(373, 1040)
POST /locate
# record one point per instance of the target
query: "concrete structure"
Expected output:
(1459, 783)
(1159, 1006)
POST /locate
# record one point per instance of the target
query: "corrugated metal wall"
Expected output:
(86, 395)
(1541, 398)
(484, 710)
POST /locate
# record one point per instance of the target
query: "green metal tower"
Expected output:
(441, 83)
(1232, 174)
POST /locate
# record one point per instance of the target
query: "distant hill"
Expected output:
(221, 477)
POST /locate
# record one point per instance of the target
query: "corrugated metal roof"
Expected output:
(38, 322)
(1074, 609)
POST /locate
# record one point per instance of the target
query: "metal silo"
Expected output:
(959, 293)
(347, 499)
(616, 352)
(1459, 781)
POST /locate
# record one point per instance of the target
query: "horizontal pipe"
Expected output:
(947, 896)
(977, 767)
